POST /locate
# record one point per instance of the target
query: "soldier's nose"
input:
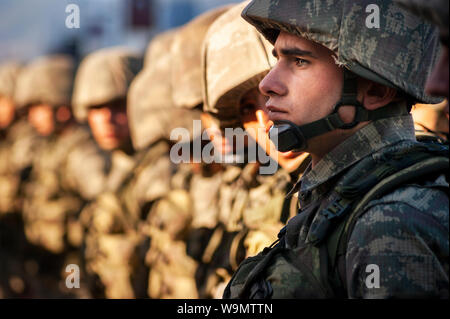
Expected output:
(272, 85)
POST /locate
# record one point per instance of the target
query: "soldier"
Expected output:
(13, 130)
(100, 98)
(44, 90)
(358, 234)
(8, 75)
(175, 223)
(251, 203)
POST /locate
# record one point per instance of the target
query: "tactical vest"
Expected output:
(303, 262)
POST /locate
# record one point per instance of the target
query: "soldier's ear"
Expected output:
(375, 95)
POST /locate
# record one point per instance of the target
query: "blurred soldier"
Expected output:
(235, 59)
(158, 190)
(100, 97)
(173, 220)
(13, 132)
(374, 210)
(14, 135)
(45, 88)
(53, 195)
(8, 75)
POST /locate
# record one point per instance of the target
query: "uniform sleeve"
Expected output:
(399, 251)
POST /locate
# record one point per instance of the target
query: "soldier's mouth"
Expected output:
(276, 113)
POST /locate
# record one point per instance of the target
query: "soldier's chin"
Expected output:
(108, 144)
(44, 131)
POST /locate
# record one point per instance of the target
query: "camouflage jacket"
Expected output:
(403, 235)
(67, 171)
(17, 150)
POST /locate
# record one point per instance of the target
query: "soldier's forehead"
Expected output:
(287, 43)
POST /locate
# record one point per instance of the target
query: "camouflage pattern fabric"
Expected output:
(53, 194)
(158, 46)
(9, 73)
(16, 153)
(339, 26)
(411, 252)
(109, 239)
(151, 111)
(231, 44)
(186, 72)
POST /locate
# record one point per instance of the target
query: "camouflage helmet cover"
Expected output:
(187, 50)
(159, 45)
(434, 11)
(151, 111)
(401, 53)
(235, 59)
(104, 76)
(48, 80)
(9, 72)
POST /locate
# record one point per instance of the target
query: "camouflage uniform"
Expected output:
(39, 162)
(172, 268)
(404, 232)
(105, 76)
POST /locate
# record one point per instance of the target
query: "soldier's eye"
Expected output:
(301, 62)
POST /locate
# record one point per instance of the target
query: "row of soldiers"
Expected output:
(86, 171)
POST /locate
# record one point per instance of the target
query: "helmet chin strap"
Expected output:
(288, 136)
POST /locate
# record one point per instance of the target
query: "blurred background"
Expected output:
(33, 28)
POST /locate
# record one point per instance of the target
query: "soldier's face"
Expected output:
(6, 111)
(305, 83)
(41, 117)
(109, 125)
(304, 86)
(254, 116)
(438, 83)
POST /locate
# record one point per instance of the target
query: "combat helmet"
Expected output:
(48, 80)
(104, 76)
(434, 11)
(151, 112)
(187, 59)
(9, 72)
(235, 59)
(160, 44)
(400, 53)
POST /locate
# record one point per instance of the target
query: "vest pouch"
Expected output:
(296, 273)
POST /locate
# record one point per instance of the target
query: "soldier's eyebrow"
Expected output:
(293, 52)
